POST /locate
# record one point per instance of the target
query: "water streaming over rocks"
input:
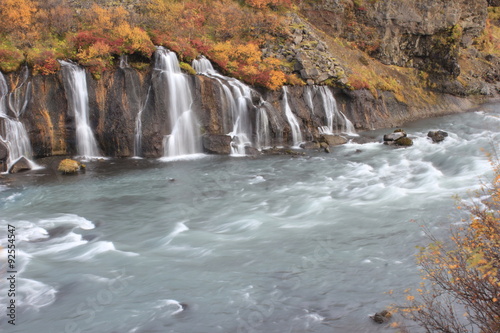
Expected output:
(292, 119)
(75, 84)
(273, 244)
(184, 138)
(238, 100)
(12, 106)
(336, 121)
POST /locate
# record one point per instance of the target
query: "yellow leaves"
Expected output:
(276, 80)
(16, 14)
(245, 62)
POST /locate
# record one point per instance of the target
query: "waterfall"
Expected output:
(336, 121)
(262, 126)
(124, 61)
(203, 66)
(75, 84)
(238, 98)
(15, 136)
(184, 138)
(138, 128)
(292, 120)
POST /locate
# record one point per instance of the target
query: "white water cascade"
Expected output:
(138, 128)
(75, 84)
(336, 121)
(292, 120)
(15, 136)
(262, 126)
(184, 138)
(239, 100)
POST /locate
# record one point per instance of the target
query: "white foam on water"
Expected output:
(174, 307)
(238, 226)
(60, 245)
(94, 249)
(256, 180)
(67, 219)
(13, 197)
(34, 294)
(180, 227)
(190, 157)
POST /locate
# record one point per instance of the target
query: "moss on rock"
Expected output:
(69, 166)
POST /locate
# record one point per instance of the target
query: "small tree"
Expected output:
(461, 288)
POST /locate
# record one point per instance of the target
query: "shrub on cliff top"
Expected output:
(10, 59)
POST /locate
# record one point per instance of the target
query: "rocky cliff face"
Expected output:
(119, 97)
(440, 38)
(386, 62)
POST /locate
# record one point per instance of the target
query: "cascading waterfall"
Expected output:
(262, 127)
(15, 136)
(203, 66)
(239, 100)
(75, 84)
(184, 138)
(292, 120)
(138, 128)
(336, 121)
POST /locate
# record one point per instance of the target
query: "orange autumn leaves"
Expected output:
(229, 32)
(462, 275)
(245, 62)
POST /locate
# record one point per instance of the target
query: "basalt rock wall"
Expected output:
(116, 100)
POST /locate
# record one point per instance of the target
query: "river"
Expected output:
(237, 244)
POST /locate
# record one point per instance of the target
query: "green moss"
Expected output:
(140, 66)
(187, 68)
(10, 58)
(404, 141)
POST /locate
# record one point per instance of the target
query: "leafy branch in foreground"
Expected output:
(461, 288)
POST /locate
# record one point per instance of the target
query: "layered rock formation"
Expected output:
(421, 59)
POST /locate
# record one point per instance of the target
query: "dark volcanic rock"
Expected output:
(4, 151)
(437, 136)
(22, 164)
(404, 142)
(217, 144)
(381, 317)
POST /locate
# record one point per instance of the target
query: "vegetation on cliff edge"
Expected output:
(229, 32)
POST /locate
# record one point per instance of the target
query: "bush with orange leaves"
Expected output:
(461, 288)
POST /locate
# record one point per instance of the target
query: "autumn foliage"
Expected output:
(461, 291)
(230, 32)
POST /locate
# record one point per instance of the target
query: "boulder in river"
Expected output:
(69, 166)
(381, 317)
(310, 145)
(22, 164)
(332, 140)
(404, 142)
(437, 136)
(217, 144)
(397, 134)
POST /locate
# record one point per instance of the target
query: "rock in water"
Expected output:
(381, 317)
(397, 134)
(217, 144)
(404, 141)
(22, 164)
(69, 166)
(333, 140)
(437, 136)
